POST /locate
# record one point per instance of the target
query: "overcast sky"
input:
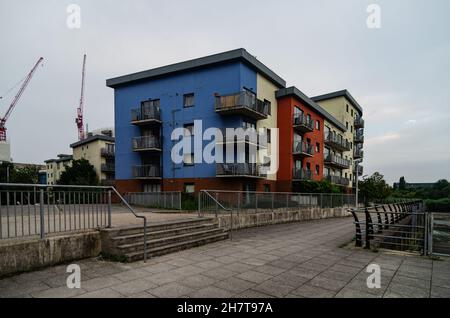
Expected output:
(399, 73)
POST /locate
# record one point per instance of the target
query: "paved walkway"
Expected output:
(290, 260)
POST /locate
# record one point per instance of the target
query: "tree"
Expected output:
(322, 186)
(80, 173)
(374, 188)
(27, 175)
(402, 184)
(6, 169)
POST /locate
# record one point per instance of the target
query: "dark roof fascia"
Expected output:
(343, 93)
(91, 139)
(202, 62)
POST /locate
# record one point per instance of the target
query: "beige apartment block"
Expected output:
(54, 167)
(99, 151)
(346, 110)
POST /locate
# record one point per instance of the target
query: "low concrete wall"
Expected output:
(24, 255)
(267, 217)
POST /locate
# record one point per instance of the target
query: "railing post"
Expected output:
(256, 202)
(109, 208)
(217, 205)
(41, 213)
(198, 203)
(369, 228)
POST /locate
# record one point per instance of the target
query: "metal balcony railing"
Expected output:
(359, 168)
(337, 142)
(244, 103)
(303, 124)
(107, 152)
(302, 174)
(238, 169)
(303, 148)
(359, 122)
(146, 114)
(338, 180)
(337, 161)
(147, 171)
(359, 137)
(108, 167)
(358, 154)
(146, 143)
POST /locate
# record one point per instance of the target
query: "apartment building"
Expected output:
(343, 106)
(305, 152)
(99, 150)
(226, 90)
(54, 167)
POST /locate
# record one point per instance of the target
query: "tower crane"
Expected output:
(79, 118)
(16, 99)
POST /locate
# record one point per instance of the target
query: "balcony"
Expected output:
(107, 152)
(146, 143)
(108, 167)
(358, 154)
(338, 180)
(147, 172)
(359, 122)
(337, 142)
(359, 168)
(107, 182)
(146, 115)
(303, 124)
(251, 170)
(301, 175)
(242, 103)
(337, 161)
(302, 148)
(359, 137)
(250, 136)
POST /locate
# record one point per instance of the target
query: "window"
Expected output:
(352, 113)
(188, 100)
(317, 170)
(308, 166)
(269, 106)
(317, 147)
(346, 175)
(346, 124)
(351, 128)
(267, 188)
(327, 132)
(308, 118)
(189, 188)
(347, 108)
(190, 130)
(269, 135)
(317, 125)
(188, 159)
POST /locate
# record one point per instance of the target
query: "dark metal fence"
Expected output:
(162, 200)
(399, 226)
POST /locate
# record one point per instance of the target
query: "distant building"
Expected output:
(99, 151)
(55, 167)
(42, 176)
(5, 151)
(417, 185)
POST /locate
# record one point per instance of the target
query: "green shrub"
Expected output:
(440, 205)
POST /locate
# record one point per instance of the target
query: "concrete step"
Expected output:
(139, 237)
(171, 248)
(139, 229)
(155, 243)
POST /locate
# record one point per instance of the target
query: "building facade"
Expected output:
(227, 90)
(99, 150)
(54, 167)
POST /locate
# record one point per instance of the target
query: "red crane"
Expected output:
(79, 119)
(16, 99)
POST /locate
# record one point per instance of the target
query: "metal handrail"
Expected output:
(218, 204)
(90, 187)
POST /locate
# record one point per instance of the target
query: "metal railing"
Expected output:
(146, 113)
(359, 122)
(338, 180)
(107, 152)
(302, 174)
(359, 137)
(398, 226)
(337, 161)
(108, 167)
(303, 123)
(303, 148)
(439, 234)
(239, 169)
(337, 142)
(259, 202)
(243, 99)
(160, 200)
(358, 153)
(28, 210)
(146, 142)
(147, 171)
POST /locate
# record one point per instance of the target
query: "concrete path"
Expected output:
(289, 260)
